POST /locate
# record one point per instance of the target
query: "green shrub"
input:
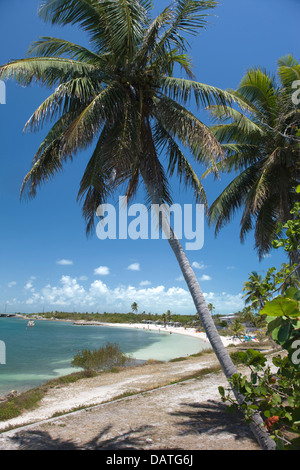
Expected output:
(105, 358)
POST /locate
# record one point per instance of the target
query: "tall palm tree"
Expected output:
(254, 291)
(237, 329)
(261, 142)
(211, 308)
(123, 96)
(168, 316)
(134, 307)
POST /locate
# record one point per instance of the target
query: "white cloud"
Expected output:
(180, 278)
(205, 277)
(134, 267)
(83, 278)
(225, 302)
(11, 284)
(98, 296)
(28, 285)
(102, 271)
(64, 262)
(197, 265)
(145, 283)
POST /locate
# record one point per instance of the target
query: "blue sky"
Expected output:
(46, 260)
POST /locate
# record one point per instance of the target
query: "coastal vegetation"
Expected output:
(122, 97)
(260, 138)
(15, 404)
(116, 317)
(275, 392)
(105, 358)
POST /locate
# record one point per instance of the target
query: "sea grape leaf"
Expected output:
(281, 306)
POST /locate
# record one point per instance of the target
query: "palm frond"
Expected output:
(48, 71)
(191, 132)
(67, 97)
(148, 51)
(288, 71)
(232, 198)
(54, 47)
(183, 90)
(178, 161)
(85, 13)
(126, 20)
(259, 87)
(48, 160)
(86, 126)
(188, 18)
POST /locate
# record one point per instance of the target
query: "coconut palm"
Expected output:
(254, 292)
(168, 316)
(211, 308)
(237, 329)
(261, 142)
(122, 97)
(134, 307)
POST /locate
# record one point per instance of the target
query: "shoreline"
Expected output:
(188, 331)
(161, 329)
(90, 393)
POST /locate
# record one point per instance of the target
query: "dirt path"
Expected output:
(185, 415)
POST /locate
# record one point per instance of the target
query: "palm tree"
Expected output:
(198, 321)
(254, 291)
(211, 308)
(164, 319)
(237, 329)
(261, 141)
(168, 315)
(134, 307)
(123, 96)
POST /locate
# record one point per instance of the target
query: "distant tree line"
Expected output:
(116, 317)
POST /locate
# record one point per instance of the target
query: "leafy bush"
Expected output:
(105, 358)
(276, 395)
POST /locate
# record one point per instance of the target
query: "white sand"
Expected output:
(171, 329)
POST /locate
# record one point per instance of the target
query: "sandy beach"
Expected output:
(160, 328)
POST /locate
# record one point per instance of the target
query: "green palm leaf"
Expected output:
(260, 141)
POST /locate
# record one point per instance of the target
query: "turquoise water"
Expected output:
(35, 355)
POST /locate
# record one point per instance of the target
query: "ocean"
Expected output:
(45, 351)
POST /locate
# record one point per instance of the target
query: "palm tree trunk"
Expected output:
(226, 363)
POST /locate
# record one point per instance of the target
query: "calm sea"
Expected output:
(35, 355)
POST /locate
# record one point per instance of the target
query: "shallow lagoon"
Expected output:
(35, 355)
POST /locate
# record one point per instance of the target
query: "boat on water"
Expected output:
(30, 323)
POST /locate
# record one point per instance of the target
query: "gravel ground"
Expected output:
(187, 415)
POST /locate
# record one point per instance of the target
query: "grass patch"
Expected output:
(199, 354)
(198, 374)
(179, 359)
(16, 405)
(151, 362)
(28, 400)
